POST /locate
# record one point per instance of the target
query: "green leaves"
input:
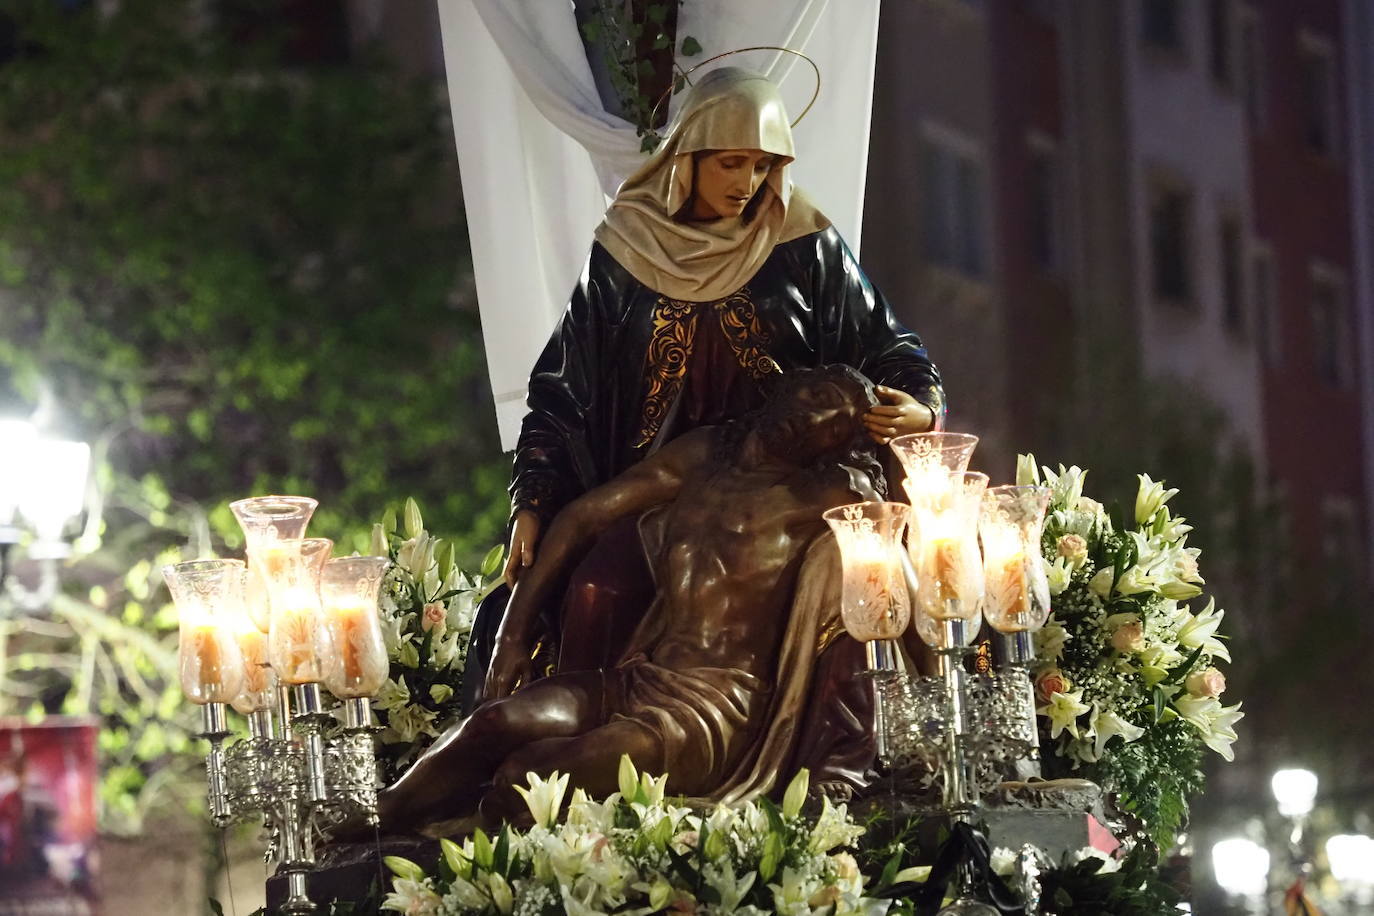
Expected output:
(491, 563)
(690, 47)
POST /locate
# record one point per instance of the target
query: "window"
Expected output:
(1265, 293)
(952, 205)
(1160, 25)
(1317, 83)
(1251, 64)
(1042, 209)
(1229, 250)
(1219, 38)
(1170, 216)
(1330, 328)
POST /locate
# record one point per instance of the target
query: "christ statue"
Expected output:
(713, 689)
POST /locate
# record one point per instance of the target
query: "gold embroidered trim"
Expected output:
(670, 349)
(740, 321)
(665, 364)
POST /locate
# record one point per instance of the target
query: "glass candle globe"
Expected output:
(349, 591)
(208, 594)
(259, 681)
(874, 600)
(265, 520)
(1017, 591)
(299, 644)
(944, 550)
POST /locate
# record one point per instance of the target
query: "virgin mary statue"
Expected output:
(710, 275)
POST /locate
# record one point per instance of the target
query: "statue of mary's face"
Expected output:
(726, 180)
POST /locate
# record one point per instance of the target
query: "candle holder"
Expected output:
(267, 638)
(265, 520)
(874, 604)
(1017, 604)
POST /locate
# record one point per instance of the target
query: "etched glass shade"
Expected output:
(349, 592)
(944, 551)
(930, 458)
(208, 595)
(1017, 595)
(266, 520)
(299, 644)
(259, 680)
(874, 603)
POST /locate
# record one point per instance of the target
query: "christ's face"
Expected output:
(726, 180)
(815, 419)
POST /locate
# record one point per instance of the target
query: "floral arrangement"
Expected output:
(427, 606)
(639, 852)
(1126, 668)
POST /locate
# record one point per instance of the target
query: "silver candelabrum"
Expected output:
(313, 772)
(957, 733)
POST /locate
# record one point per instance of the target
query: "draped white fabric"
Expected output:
(540, 156)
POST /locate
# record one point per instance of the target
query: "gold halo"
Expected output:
(667, 93)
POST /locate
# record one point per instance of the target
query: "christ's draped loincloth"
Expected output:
(705, 719)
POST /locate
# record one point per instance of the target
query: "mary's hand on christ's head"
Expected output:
(898, 414)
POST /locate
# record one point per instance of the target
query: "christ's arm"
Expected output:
(652, 482)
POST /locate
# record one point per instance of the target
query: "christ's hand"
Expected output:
(510, 667)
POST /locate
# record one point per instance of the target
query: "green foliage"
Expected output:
(260, 270)
(234, 276)
(1085, 889)
(621, 34)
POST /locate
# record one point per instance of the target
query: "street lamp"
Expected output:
(42, 486)
(1241, 867)
(1295, 790)
(1351, 857)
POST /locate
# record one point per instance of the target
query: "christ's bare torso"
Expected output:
(728, 575)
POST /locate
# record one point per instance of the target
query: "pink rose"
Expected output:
(685, 904)
(1073, 548)
(1129, 637)
(1187, 569)
(434, 617)
(1208, 682)
(1051, 682)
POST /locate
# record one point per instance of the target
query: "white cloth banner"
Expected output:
(540, 156)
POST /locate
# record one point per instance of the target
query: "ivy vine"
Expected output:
(623, 31)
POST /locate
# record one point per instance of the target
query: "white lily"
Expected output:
(1149, 498)
(544, 797)
(1107, 725)
(1063, 710)
(393, 695)
(731, 887)
(1058, 573)
(791, 895)
(1066, 486)
(1215, 723)
(1199, 630)
(1027, 472)
(833, 828)
(412, 897)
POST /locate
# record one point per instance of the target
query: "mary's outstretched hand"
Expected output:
(898, 414)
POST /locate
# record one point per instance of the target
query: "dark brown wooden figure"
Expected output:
(714, 688)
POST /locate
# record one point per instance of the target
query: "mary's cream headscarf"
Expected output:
(729, 108)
